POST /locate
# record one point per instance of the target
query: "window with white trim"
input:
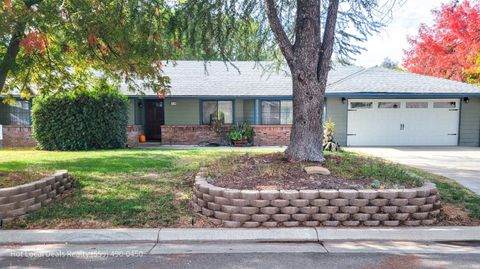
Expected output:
(417, 105)
(277, 112)
(361, 105)
(444, 104)
(18, 113)
(212, 110)
(388, 104)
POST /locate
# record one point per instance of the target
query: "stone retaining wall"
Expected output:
(26, 198)
(289, 208)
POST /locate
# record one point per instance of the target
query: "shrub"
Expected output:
(81, 119)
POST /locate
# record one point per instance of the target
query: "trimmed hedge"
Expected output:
(81, 119)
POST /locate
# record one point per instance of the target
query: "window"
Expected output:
(360, 105)
(417, 105)
(444, 104)
(277, 112)
(388, 104)
(15, 114)
(213, 110)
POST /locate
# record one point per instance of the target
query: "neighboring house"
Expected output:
(370, 107)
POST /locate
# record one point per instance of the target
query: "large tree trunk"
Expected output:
(306, 138)
(309, 61)
(307, 133)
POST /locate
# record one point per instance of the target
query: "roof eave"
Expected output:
(400, 95)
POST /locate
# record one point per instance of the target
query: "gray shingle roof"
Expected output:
(216, 78)
(383, 80)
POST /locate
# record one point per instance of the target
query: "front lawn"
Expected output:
(115, 188)
(152, 188)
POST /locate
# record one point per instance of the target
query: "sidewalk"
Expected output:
(172, 235)
(114, 247)
(189, 147)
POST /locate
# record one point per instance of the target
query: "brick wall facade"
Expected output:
(266, 135)
(17, 136)
(188, 135)
(272, 135)
(133, 134)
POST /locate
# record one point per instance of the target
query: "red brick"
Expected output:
(266, 135)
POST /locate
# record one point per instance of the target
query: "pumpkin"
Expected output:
(142, 138)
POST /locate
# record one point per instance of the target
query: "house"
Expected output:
(370, 106)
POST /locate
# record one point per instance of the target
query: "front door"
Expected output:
(154, 119)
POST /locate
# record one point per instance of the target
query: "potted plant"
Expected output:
(237, 137)
(248, 132)
(329, 143)
(241, 135)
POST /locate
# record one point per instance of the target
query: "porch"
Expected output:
(186, 121)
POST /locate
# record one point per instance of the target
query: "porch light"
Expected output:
(466, 100)
(140, 105)
(344, 100)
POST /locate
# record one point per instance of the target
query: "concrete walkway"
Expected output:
(446, 247)
(189, 147)
(240, 235)
(458, 163)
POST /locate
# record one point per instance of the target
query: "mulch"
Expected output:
(274, 172)
(11, 179)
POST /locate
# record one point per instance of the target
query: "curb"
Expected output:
(278, 235)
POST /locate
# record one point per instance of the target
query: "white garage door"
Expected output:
(403, 122)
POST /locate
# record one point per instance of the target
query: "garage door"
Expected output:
(403, 122)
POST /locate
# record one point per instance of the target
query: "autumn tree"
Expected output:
(56, 45)
(306, 32)
(450, 48)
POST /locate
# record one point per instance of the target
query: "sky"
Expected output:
(391, 41)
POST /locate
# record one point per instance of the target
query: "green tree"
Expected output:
(306, 32)
(127, 39)
(58, 45)
(55, 45)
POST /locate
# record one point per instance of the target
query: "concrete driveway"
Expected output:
(459, 163)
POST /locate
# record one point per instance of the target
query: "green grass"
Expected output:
(451, 192)
(353, 166)
(152, 188)
(115, 188)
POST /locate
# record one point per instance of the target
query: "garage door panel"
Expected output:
(422, 122)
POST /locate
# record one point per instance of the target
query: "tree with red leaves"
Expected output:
(450, 48)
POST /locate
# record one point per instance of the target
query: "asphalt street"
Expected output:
(256, 260)
(209, 255)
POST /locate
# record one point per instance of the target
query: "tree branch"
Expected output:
(10, 57)
(277, 29)
(326, 49)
